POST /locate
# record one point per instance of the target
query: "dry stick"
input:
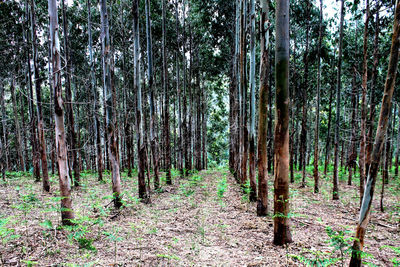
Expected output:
(379, 142)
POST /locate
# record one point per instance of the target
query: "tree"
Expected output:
(262, 202)
(41, 139)
(110, 115)
(96, 123)
(316, 138)
(378, 143)
(252, 163)
(282, 233)
(337, 123)
(67, 213)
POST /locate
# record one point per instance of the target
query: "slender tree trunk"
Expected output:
(378, 143)
(67, 213)
(41, 139)
(316, 139)
(3, 120)
(282, 233)
(328, 136)
(303, 135)
(370, 121)
(17, 126)
(262, 201)
(144, 195)
(352, 154)
(68, 98)
(166, 131)
(252, 135)
(96, 123)
(364, 104)
(110, 114)
(337, 123)
(153, 117)
(396, 152)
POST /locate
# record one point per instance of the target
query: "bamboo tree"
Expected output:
(67, 214)
(262, 201)
(282, 233)
(378, 143)
(335, 194)
(110, 114)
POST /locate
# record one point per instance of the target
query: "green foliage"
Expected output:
(6, 232)
(395, 261)
(221, 187)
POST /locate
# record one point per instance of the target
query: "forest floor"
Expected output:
(202, 220)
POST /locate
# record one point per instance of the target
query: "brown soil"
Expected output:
(187, 224)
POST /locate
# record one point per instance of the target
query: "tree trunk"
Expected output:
(364, 104)
(352, 154)
(17, 126)
(378, 143)
(96, 123)
(262, 201)
(140, 120)
(110, 115)
(282, 233)
(335, 194)
(3, 122)
(68, 98)
(328, 136)
(38, 90)
(153, 117)
(166, 132)
(67, 214)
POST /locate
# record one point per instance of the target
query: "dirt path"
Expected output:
(203, 220)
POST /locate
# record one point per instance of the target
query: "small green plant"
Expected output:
(395, 261)
(113, 237)
(221, 188)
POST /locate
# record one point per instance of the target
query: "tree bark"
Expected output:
(378, 143)
(110, 114)
(316, 139)
(67, 213)
(41, 139)
(262, 200)
(282, 233)
(335, 192)
(17, 126)
(364, 104)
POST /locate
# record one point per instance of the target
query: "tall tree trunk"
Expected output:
(396, 152)
(166, 132)
(68, 98)
(328, 135)
(316, 139)
(352, 154)
(38, 90)
(243, 89)
(335, 194)
(262, 201)
(144, 195)
(372, 109)
(303, 135)
(110, 114)
(17, 126)
(282, 233)
(378, 143)
(252, 135)
(364, 104)
(3, 122)
(67, 213)
(153, 117)
(95, 107)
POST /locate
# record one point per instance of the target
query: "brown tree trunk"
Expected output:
(68, 98)
(67, 214)
(110, 114)
(282, 233)
(378, 143)
(41, 137)
(364, 104)
(262, 200)
(335, 192)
